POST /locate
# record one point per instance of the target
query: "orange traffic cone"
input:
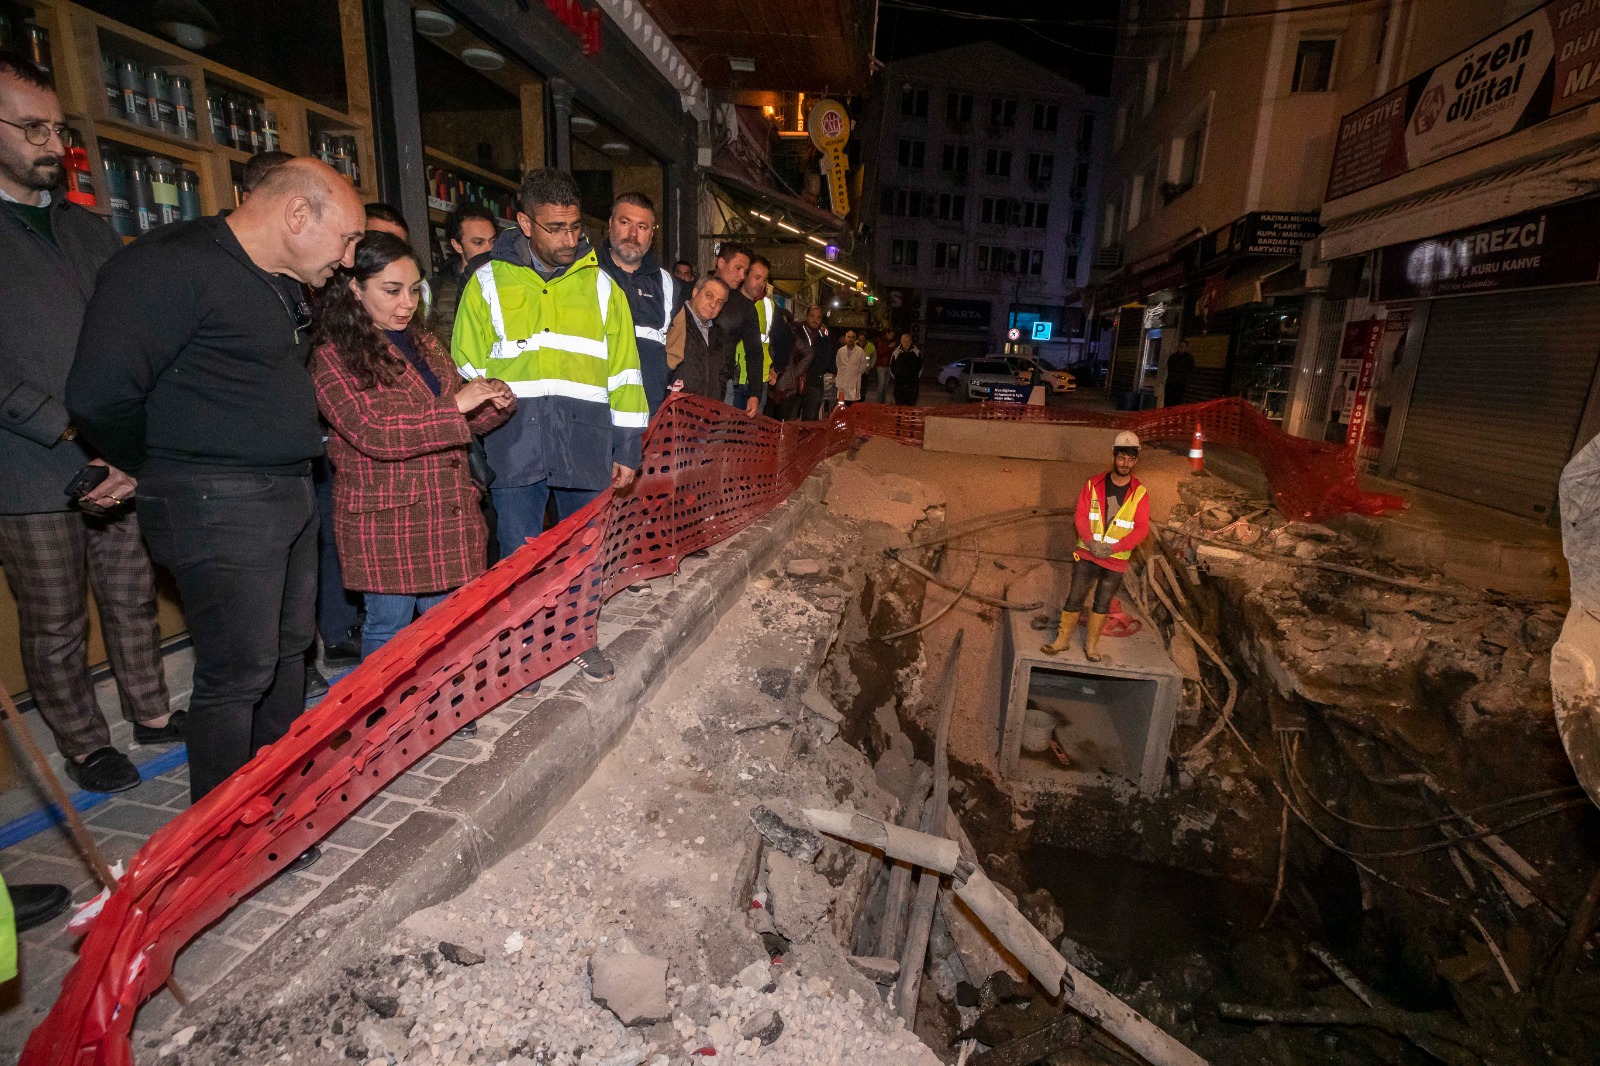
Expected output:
(1197, 450)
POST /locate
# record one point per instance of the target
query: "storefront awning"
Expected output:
(765, 217)
(808, 219)
(1550, 180)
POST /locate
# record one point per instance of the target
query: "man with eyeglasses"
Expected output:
(542, 316)
(191, 373)
(53, 547)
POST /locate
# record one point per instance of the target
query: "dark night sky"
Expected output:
(1083, 54)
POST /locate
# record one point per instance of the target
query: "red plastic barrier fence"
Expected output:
(708, 472)
(1310, 480)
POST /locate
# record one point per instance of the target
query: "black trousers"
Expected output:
(243, 549)
(1087, 574)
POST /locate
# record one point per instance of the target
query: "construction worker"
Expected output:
(1104, 546)
(543, 317)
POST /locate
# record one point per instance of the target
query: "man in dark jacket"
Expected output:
(695, 351)
(811, 337)
(738, 317)
(191, 373)
(654, 295)
(51, 549)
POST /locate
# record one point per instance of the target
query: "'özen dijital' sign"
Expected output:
(1541, 65)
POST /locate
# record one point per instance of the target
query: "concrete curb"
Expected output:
(496, 804)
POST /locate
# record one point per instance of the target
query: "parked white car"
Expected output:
(951, 371)
(978, 376)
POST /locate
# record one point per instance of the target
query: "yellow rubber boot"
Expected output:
(1091, 645)
(1069, 625)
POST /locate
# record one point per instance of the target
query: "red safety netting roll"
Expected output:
(708, 471)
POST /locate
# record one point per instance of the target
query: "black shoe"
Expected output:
(304, 861)
(106, 770)
(345, 653)
(595, 665)
(316, 684)
(34, 905)
(171, 733)
(469, 730)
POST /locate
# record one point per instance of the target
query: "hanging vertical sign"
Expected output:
(829, 124)
(1358, 360)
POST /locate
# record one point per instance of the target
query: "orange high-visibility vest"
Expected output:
(1121, 522)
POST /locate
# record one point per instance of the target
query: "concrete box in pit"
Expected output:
(1121, 710)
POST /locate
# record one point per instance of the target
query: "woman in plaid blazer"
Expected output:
(406, 517)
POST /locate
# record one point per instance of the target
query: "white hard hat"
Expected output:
(1126, 439)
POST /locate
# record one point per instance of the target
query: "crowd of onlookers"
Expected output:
(282, 409)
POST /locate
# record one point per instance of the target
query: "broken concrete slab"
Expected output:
(814, 701)
(758, 976)
(766, 1026)
(878, 970)
(633, 987)
(459, 955)
(798, 843)
(803, 568)
(800, 896)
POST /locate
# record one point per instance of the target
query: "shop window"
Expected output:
(1002, 112)
(903, 253)
(946, 256)
(912, 154)
(1046, 117)
(1313, 66)
(913, 102)
(958, 107)
(954, 159)
(295, 45)
(997, 163)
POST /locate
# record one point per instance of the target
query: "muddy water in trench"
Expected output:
(1129, 913)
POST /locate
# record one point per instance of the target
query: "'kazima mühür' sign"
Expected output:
(1541, 65)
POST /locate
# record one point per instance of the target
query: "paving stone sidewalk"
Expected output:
(121, 824)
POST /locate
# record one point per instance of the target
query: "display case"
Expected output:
(166, 130)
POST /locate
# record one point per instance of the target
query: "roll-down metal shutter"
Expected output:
(1500, 389)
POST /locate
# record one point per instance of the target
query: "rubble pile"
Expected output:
(676, 912)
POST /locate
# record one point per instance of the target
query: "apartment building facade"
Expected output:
(985, 186)
(1220, 141)
(1315, 201)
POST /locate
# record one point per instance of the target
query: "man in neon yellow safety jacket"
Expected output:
(750, 382)
(539, 314)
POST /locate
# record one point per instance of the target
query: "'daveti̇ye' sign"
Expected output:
(1541, 65)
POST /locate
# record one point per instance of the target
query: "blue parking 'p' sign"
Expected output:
(1041, 330)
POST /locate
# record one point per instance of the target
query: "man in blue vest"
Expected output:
(654, 295)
